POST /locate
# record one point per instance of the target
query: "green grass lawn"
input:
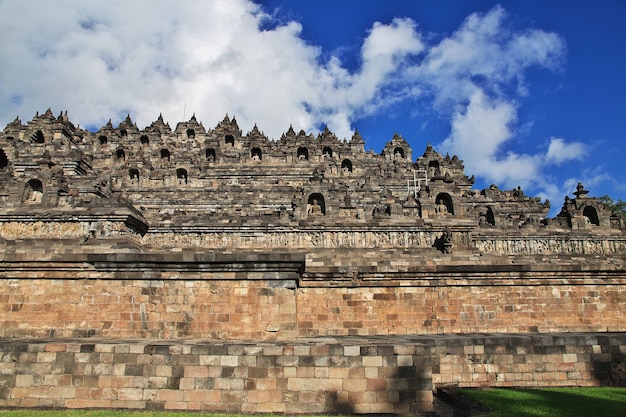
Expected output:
(540, 402)
(551, 402)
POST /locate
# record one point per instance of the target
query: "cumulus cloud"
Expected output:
(146, 57)
(484, 53)
(478, 132)
(559, 151)
(477, 79)
(105, 59)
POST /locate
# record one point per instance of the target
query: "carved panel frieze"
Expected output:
(294, 239)
(63, 230)
(551, 246)
(17, 230)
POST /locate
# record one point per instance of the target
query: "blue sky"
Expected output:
(527, 93)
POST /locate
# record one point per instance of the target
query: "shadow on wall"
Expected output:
(608, 362)
(335, 405)
(399, 390)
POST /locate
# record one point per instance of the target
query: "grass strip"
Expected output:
(551, 402)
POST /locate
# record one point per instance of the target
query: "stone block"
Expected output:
(104, 348)
(354, 385)
(372, 361)
(397, 384)
(175, 405)
(253, 408)
(206, 360)
(373, 408)
(404, 349)
(169, 395)
(83, 403)
(192, 371)
(130, 394)
(164, 371)
(258, 396)
(57, 380)
(355, 373)
(273, 350)
(46, 356)
(186, 383)
(23, 380)
(157, 382)
(570, 357)
(380, 371)
(287, 361)
(337, 372)
(228, 360)
(405, 360)
(7, 368)
(376, 384)
(55, 347)
(352, 350)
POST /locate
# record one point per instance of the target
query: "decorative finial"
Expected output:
(580, 190)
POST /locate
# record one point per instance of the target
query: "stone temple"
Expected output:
(208, 269)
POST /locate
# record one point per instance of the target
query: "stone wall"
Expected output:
(467, 308)
(255, 296)
(358, 376)
(548, 360)
(147, 309)
(190, 295)
(254, 310)
(348, 375)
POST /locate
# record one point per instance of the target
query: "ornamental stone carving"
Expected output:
(220, 188)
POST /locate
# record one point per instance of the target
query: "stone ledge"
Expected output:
(160, 346)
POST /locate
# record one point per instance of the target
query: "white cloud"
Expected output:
(471, 74)
(478, 133)
(105, 59)
(559, 151)
(483, 52)
(101, 60)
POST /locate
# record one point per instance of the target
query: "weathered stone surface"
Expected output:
(196, 234)
(383, 382)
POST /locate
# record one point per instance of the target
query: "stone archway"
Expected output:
(443, 204)
(490, 218)
(316, 205)
(210, 155)
(346, 166)
(256, 154)
(591, 215)
(302, 154)
(133, 174)
(433, 169)
(181, 175)
(4, 161)
(33, 192)
(38, 137)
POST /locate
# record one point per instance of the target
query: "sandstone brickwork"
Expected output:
(555, 360)
(348, 375)
(212, 234)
